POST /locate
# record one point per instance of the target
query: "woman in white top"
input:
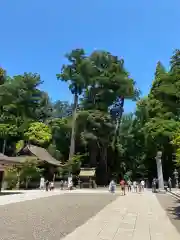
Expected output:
(142, 185)
(134, 186)
(42, 183)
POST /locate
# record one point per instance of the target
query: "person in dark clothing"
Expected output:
(47, 185)
(154, 182)
(170, 184)
(166, 185)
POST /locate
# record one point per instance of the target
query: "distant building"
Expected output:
(39, 153)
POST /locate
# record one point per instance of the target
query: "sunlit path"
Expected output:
(134, 216)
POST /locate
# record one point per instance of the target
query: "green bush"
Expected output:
(11, 177)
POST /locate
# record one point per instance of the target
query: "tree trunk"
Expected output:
(93, 154)
(118, 121)
(103, 166)
(1, 179)
(72, 144)
(27, 182)
(4, 146)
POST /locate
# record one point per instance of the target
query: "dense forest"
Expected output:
(94, 131)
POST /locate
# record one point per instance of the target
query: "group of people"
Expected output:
(49, 185)
(129, 185)
(167, 184)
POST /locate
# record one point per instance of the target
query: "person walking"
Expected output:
(139, 186)
(62, 184)
(47, 185)
(129, 184)
(51, 186)
(42, 183)
(70, 183)
(142, 185)
(112, 186)
(154, 182)
(134, 186)
(170, 184)
(122, 184)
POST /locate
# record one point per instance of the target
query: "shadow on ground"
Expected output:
(9, 193)
(172, 208)
(175, 210)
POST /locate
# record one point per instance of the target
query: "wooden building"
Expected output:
(87, 177)
(45, 160)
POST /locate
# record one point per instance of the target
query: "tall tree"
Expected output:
(175, 61)
(109, 81)
(76, 73)
(163, 112)
(2, 76)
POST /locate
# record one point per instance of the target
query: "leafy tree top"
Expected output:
(175, 61)
(38, 133)
(160, 70)
(2, 75)
(76, 72)
(109, 80)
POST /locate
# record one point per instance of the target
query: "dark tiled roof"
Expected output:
(19, 159)
(3, 157)
(43, 155)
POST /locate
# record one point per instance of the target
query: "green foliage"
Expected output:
(75, 164)
(96, 126)
(11, 177)
(61, 132)
(7, 130)
(76, 72)
(175, 62)
(176, 143)
(23, 173)
(161, 129)
(2, 76)
(158, 117)
(19, 145)
(38, 133)
(62, 109)
(29, 170)
(21, 103)
(109, 80)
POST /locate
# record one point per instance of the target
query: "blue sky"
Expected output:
(36, 34)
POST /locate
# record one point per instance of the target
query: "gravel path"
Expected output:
(172, 208)
(49, 218)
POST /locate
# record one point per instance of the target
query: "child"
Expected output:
(122, 184)
(51, 186)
